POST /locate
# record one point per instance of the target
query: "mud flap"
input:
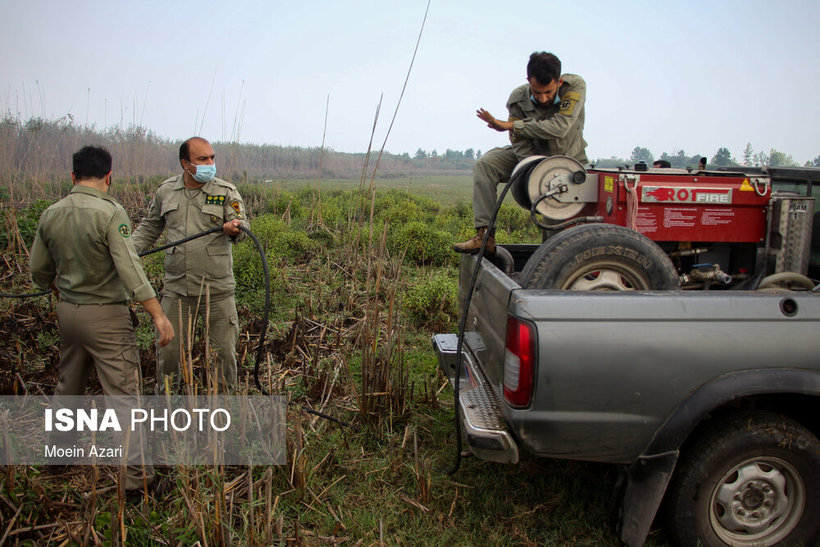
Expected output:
(646, 482)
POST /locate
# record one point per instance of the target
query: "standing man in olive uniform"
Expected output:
(187, 204)
(83, 251)
(546, 117)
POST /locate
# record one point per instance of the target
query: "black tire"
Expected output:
(599, 257)
(750, 479)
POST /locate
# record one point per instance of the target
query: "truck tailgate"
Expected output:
(487, 317)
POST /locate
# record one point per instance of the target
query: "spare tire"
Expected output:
(599, 257)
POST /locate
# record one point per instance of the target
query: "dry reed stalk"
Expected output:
(369, 251)
(185, 364)
(219, 504)
(196, 516)
(268, 484)
(4, 424)
(319, 221)
(92, 505)
(121, 512)
(210, 377)
(286, 217)
(41, 527)
(398, 103)
(203, 290)
(251, 511)
(381, 384)
(11, 524)
(297, 473)
(15, 240)
(369, 147)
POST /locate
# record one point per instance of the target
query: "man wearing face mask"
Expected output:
(187, 204)
(546, 117)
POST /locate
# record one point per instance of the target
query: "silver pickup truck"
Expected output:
(707, 400)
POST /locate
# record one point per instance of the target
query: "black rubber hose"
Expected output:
(462, 322)
(260, 349)
(23, 295)
(181, 241)
(148, 252)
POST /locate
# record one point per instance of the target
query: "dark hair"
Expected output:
(663, 164)
(183, 150)
(184, 154)
(91, 162)
(544, 67)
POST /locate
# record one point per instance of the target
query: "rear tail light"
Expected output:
(519, 362)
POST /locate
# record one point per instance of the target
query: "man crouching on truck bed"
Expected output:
(546, 117)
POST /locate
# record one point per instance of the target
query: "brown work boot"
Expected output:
(473, 245)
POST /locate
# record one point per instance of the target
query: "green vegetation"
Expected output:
(361, 275)
(431, 301)
(354, 304)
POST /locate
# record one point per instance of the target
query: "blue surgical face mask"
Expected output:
(536, 103)
(204, 173)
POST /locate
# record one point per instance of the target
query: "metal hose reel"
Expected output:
(535, 176)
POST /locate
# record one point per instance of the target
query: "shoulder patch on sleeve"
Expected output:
(125, 230)
(568, 102)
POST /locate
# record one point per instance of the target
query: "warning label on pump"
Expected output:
(717, 217)
(646, 223)
(679, 218)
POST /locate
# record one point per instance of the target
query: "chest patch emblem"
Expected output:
(214, 200)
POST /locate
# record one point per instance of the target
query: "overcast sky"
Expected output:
(692, 75)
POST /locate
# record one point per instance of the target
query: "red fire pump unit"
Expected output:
(731, 222)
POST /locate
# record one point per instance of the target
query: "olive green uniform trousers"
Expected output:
(222, 324)
(102, 336)
(493, 167)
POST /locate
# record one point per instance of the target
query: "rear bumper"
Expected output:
(480, 413)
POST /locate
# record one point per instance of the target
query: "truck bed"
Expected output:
(613, 367)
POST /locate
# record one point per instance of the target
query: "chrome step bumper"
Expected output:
(479, 408)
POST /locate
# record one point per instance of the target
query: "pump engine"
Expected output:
(719, 229)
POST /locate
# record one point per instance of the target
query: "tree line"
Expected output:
(721, 158)
(40, 150)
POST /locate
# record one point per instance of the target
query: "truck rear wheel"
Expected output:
(602, 257)
(750, 479)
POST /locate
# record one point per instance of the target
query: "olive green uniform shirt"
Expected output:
(549, 130)
(185, 212)
(84, 241)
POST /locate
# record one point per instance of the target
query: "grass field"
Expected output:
(444, 189)
(347, 307)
